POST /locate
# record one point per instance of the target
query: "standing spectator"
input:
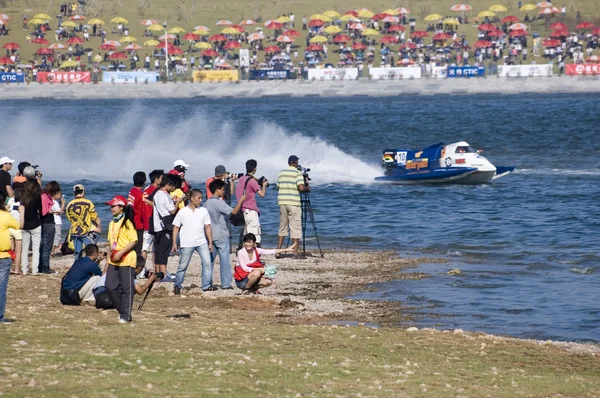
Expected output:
(6, 222)
(120, 274)
(12, 206)
(85, 223)
(163, 213)
(30, 211)
(304, 21)
(136, 200)
(221, 174)
(148, 195)
(250, 207)
(292, 17)
(5, 166)
(50, 193)
(219, 212)
(290, 182)
(193, 222)
(58, 208)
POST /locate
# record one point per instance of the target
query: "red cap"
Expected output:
(175, 172)
(117, 201)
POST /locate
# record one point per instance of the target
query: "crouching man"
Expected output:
(77, 285)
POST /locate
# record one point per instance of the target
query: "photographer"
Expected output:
(82, 277)
(248, 185)
(229, 180)
(290, 182)
(22, 176)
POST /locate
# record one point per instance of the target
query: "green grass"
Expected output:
(190, 13)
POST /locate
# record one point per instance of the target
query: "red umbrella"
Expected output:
(551, 43)
(75, 40)
(163, 44)
(483, 43)
(353, 13)
(285, 39)
(272, 49)
(316, 22)
(11, 46)
(378, 17)
(596, 31)
(230, 45)
(217, 38)
(191, 37)
(175, 51)
(486, 27)
(559, 33)
(419, 33)
(510, 19)
(39, 40)
(396, 28)
(558, 26)
(495, 33)
(275, 25)
(45, 51)
(585, 25)
(314, 47)
(359, 46)
(118, 55)
(6, 61)
(239, 28)
(389, 39)
(209, 53)
(341, 39)
(291, 33)
(410, 46)
(518, 32)
(107, 47)
(441, 36)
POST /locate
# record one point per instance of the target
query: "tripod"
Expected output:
(307, 213)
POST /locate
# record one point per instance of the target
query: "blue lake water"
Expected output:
(527, 244)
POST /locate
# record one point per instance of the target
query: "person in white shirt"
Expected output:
(58, 208)
(192, 227)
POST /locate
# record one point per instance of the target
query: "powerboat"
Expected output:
(456, 163)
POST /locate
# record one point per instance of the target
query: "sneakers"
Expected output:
(177, 290)
(227, 288)
(121, 320)
(5, 321)
(210, 289)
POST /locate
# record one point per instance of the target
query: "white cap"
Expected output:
(180, 162)
(6, 159)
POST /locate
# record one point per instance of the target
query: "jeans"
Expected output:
(78, 242)
(34, 236)
(184, 261)
(222, 248)
(4, 272)
(48, 231)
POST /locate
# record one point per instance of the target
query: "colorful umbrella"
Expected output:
(549, 11)
(175, 51)
(517, 33)
(230, 31)
(359, 46)
(176, 30)
(36, 21)
(391, 19)
(68, 24)
(239, 28)
(388, 39)
(483, 44)
(248, 22)
(45, 17)
(349, 17)
(287, 39)
(560, 33)
(357, 26)
(403, 11)
(370, 32)
(396, 28)
(163, 44)
(283, 19)
(119, 20)
(486, 27)
(351, 12)
(256, 36)
(316, 23)
(113, 43)
(230, 45)
(133, 47)
(77, 18)
(391, 12)
(40, 40)
(409, 46)
(332, 14)
(201, 27)
(128, 39)
(341, 39)
(4, 17)
(314, 47)
(495, 33)
(332, 29)
(461, 7)
(451, 21)
(273, 25)
(155, 28)
(433, 17)
(6, 61)
(551, 43)
(584, 25)
(419, 33)
(224, 22)
(364, 13)
(191, 37)
(11, 46)
(56, 46)
(209, 53)
(118, 55)
(148, 22)
(544, 4)
(558, 26)
(203, 45)
(291, 33)
(596, 31)
(272, 49)
(168, 36)
(217, 38)
(518, 26)
(528, 7)
(441, 36)
(69, 64)
(379, 17)
(318, 39)
(45, 51)
(107, 47)
(498, 8)
(510, 19)
(486, 14)
(96, 21)
(75, 40)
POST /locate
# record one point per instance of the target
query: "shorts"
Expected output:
(162, 247)
(290, 217)
(242, 284)
(15, 234)
(58, 235)
(148, 242)
(252, 221)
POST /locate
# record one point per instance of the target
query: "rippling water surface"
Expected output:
(527, 244)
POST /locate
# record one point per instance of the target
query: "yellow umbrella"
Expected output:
(283, 19)
(230, 31)
(155, 28)
(486, 13)
(451, 21)
(347, 17)
(69, 64)
(332, 29)
(528, 7)
(151, 43)
(176, 30)
(202, 45)
(202, 32)
(98, 58)
(96, 21)
(366, 14)
(128, 39)
(322, 17)
(119, 20)
(433, 17)
(318, 39)
(68, 24)
(36, 21)
(45, 17)
(391, 12)
(331, 14)
(370, 32)
(498, 8)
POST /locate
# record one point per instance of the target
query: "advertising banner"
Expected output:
(395, 73)
(466, 71)
(244, 57)
(333, 74)
(12, 78)
(129, 77)
(582, 69)
(215, 76)
(270, 74)
(438, 72)
(525, 70)
(67, 77)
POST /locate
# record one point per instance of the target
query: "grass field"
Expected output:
(190, 13)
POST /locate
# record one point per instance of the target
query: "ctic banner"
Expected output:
(215, 76)
(12, 78)
(525, 70)
(270, 74)
(129, 77)
(333, 74)
(466, 71)
(67, 77)
(582, 69)
(409, 72)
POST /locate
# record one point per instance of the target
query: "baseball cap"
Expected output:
(293, 158)
(29, 172)
(174, 172)
(78, 187)
(220, 170)
(6, 159)
(117, 201)
(180, 162)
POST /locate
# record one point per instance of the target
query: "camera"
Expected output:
(148, 274)
(37, 172)
(304, 171)
(262, 180)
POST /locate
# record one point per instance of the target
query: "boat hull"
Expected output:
(436, 176)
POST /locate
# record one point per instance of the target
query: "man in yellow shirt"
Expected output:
(6, 221)
(120, 275)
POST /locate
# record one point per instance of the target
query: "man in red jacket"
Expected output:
(136, 199)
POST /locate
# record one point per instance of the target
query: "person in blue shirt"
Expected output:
(84, 274)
